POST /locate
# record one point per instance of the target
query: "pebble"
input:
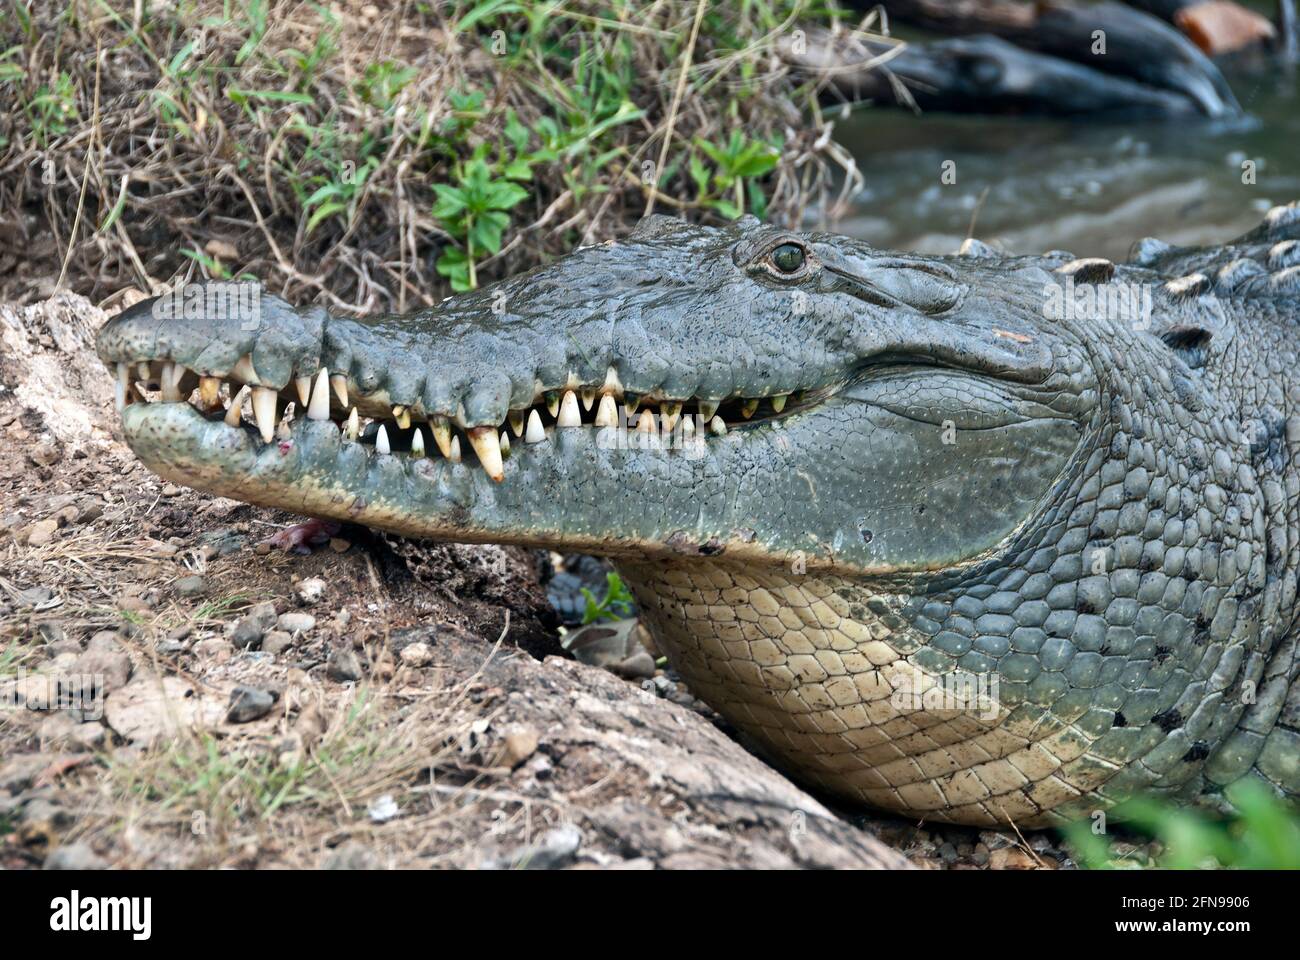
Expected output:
(249, 703)
(1011, 858)
(192, 586)
(74, 856)
(296, 622)
(339, 545)
(343, 665)
(113, 665)
(171, 490)
(214, 648)
(520, 744)
(40, 533)
(276, 642)
(250, 628)
(309, 591)
(418, 654)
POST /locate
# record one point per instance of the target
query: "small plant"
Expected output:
(1264, 834)
(615, 605)
(474, 211)
(736, 163)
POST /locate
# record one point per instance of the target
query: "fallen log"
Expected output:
(1136, 45)
(981, 74)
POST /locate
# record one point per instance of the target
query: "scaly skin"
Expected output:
(1083, 528)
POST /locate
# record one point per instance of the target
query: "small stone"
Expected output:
(45, 454)
(113, 665)
(35, 596)
(250, 628)
(74, 856)
(134, 605)
(418, 654)
(88, 736)
(309, 591)
(40, 533)
(1011, 858)
(249, 703)
(296, 622)
(343, 665)
(276, 642)
(350, 856)
(339, 545)
(639, 666)
(215, 649)
(171, 490)
(192, 586)
(519, 745)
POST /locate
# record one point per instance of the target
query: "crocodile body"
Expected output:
(977, 538)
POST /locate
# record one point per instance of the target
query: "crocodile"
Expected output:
(983, 539)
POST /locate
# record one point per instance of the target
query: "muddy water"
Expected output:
(1087, 187)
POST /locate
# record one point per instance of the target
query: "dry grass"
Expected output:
(323, 150)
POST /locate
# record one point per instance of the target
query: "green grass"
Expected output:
(360, 168)
(1263, 834)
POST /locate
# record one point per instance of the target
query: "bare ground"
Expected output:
(383, 719)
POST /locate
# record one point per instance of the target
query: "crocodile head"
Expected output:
(785, 399)
(838, 481)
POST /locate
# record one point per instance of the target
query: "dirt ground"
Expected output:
(356, 707)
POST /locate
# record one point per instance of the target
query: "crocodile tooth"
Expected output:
(671, 410)
(612, 382)
(552, 403)
(646, 422)
(488, 447)
(381, 441)
(778, 402)
(167, 383)
(237, 406)
(569, 415)
(121, 387)
(747, 408)
(243, 370)
(688, 426)
(631, 401)
(209, 391)
(505, 444)
(441, 430)
(303, 386)
(516, 418)
(340, 384)
(318, 407)
(534, 433)
(607, 412)
(402, 416)
(588, 398)
(417, 443)
(352, 429)
(282, 432)
(454, 454)
(264, 411)
(707, 409)
(718, 427)
(142, 371)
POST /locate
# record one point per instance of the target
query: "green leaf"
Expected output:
(323, 211)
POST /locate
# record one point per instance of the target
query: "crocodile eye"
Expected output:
(788, 258)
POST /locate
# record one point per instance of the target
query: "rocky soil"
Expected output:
(361, 706)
